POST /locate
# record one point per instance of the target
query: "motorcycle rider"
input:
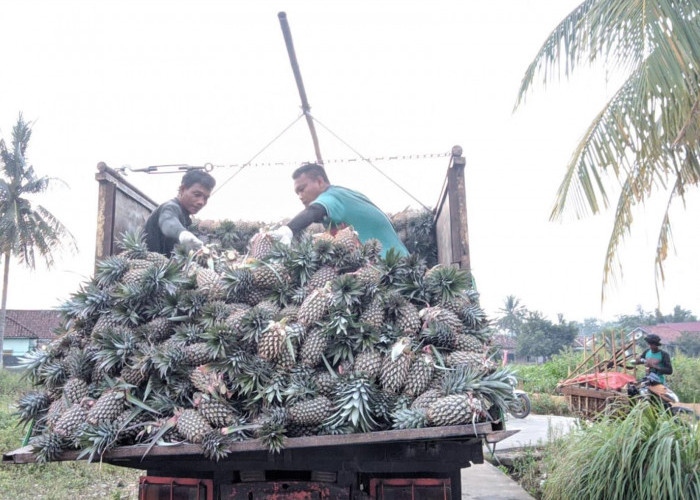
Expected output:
(656, 360)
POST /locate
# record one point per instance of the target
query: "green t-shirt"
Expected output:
(345, 206)
(659, 356)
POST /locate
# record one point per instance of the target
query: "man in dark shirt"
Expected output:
(337, 206)
(168, 224)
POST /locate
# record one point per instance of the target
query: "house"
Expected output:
(27, 329)
(668, 332)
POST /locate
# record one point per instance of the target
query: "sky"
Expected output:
(150, 83)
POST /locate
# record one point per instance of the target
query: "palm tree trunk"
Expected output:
(3, 310)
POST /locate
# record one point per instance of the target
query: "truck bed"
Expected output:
(406, 450)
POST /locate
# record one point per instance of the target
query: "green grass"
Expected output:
(55, 481)
(546, 404)
(646, 454)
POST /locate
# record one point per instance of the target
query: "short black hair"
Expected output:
(198, 177)
(313, 170)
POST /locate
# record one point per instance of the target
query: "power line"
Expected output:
(258, 153)
(364, 158)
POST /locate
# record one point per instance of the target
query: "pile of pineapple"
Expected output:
(321, 337)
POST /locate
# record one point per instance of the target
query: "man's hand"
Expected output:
(283, 234)
(189, 240)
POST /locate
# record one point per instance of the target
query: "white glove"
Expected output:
(189, 240)
(283, 234)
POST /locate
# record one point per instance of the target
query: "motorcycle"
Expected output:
(520, 406)
(650, 388)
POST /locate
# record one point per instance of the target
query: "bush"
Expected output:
(684, 381)
(546, 404)
(545, 377)
(647, 454)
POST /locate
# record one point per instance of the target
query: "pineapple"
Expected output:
(210, 282)
(107, 407)
(419, 374)
(315, 306)
(71, 419)
(217, 412)
(347, 239)
(426, 399)
(272, 341)
(396, 366)
(436, 314)
(192, 425)
(373, 315)
(471, 359)
(457, 409)
(322, 276)
(313, 347)
(468, 343)
(261, 245)
(75, 390)
(368, 363)
(311, 412)
(197, 354)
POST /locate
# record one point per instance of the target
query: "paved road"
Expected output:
(486, 482)
(535, 429)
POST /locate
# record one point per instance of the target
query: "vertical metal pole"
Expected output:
(300, 83)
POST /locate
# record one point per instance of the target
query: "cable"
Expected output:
(369, 161)
(258, 153)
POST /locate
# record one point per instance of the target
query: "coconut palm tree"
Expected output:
(26, 229)
(646, 139)
(511, 315)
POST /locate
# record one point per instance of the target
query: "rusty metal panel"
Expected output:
(414, 489)
(451, 216)
(121, 206)
(283, 490)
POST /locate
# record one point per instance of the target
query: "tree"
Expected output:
(689, 343)
(648, 134)
(511, 315)
(26, 229)
(540, 337)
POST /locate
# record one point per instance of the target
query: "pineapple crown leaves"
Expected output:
(254, 379)
(213, 312)
(273, 435)
(302, 260)
(133, 243)
(220, 339)
(447, 282)
(326, 251)
(89, 301)
(96, 440)
(393, 267)
(238, 283)
(110, 270)
(33, 363)
(167, 358)
(346, 292)
(405, 418)
(54, 373)
(188, 333)
(161, 279)
(274, 391)
(254, 322)
(354, 403)
(48, 447)
(32, 406)
(116, 347)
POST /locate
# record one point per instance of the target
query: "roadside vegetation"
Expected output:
(57, 480)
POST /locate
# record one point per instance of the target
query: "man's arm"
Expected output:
(169, 221)
(313, 213)
(664, 367)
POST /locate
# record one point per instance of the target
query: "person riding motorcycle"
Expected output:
(655, 360)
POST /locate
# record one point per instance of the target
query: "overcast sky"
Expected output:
(145, 83)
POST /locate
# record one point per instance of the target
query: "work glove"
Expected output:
(283, 234)
(189, 240)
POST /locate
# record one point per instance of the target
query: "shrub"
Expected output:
(684, 381)
(545, 377)
(647, 454)
(546, 404)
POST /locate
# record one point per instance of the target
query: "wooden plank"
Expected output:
(24, 455)
(591, 392)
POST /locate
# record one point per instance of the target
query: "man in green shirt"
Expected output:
(337, 207)
(656, 360)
